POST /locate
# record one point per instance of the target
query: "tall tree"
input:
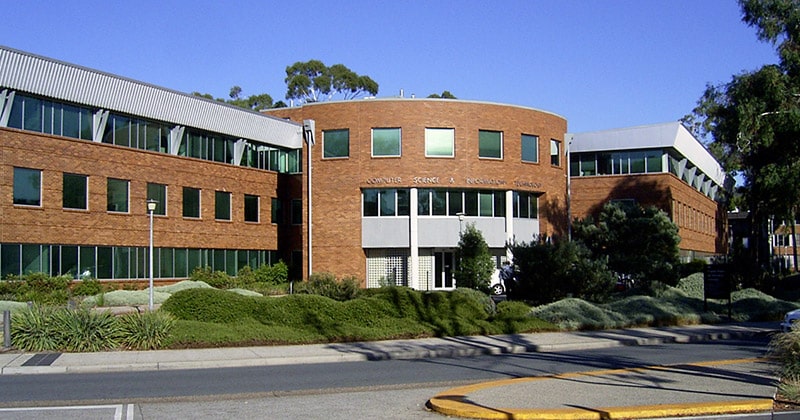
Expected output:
(252, 102)
(475, 264)
(313, 81)
(754, 120)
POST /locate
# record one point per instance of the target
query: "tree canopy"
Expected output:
(313, 81)
(445, 95)
(252, 102)
(475, 264)
(754, 119)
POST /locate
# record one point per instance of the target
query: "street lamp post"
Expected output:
(151, 208)
(460, 223)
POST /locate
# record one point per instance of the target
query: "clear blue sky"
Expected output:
(599, 63)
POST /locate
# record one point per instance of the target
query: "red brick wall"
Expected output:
(338, 182)
(701, 220)
(53, 224)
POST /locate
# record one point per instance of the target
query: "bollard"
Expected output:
(6, 328)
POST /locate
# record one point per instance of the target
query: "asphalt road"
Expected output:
(385, 389)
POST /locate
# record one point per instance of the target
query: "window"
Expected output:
(385, 202)
(222, 205)
(526, 205)
(385, 142)
(555, 152)
(28, 186)
(117, 195)
(654, 162)
(191, 202)
(336, 143)
(297, 212)
(276, 214)
(530, 148)
(490, 144)
(74, 192)
(158, 192)
(250, 208)
(439, 142)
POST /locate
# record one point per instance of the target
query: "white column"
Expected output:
(509, 220)
(413, 270)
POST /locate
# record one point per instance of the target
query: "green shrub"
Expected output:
(87, 287)
(277, 273)
(326, 284)
(482, 299)
(210, 305)
(693, 267)
(785, 350)
(42, 283)
(33, 329)
(146, 331)
(182, 285)
(85, 330)
(512, 310)
(216, 279)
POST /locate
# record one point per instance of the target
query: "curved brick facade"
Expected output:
(338, 183)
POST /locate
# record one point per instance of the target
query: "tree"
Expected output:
(639, 242)
(549, 269)
(313, 81)
(252, 102)
(445, 95)
(754, 120)
(475, 265)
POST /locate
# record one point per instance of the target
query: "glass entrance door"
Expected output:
(443, 270)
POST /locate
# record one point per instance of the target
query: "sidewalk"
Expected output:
(730, 386)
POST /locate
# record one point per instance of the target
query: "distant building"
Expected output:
(659, 165)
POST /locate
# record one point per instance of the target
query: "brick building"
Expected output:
(394, 180)
(659, 165)
(378, 189)
(81, 152)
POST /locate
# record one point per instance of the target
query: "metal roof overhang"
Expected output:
(54, 79)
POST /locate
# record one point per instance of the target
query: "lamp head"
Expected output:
(151, 205)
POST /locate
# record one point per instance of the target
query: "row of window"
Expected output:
(62, 119)
(387, 202)
(114, 262)
(75, 196)
(616, 163)
(439, 142)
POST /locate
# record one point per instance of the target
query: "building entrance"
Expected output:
(444, 261)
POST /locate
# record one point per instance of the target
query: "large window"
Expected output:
(555, 152)
(74, 193)
(442, 202)
(616, 163)
(385, 202)
(158, 192)
(191, 202)
(526, 205)
(490, 144)
(439, 142)
(386, 142)
(336, 143)
(222, 205)
(117, 195)
(28, 186)
(530, 148)
(250, 208)
(29, 113)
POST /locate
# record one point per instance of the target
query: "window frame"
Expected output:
(555, 158)
(64, 197)
(431, 136)
(484, 137)
(399, 140)
(332, 140)
(249, 213)
(16, 191)
(523, 147)
(221, 198)
(109, 203)
(161, 198)
(199, 203)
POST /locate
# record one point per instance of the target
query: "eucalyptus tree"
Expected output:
(753, 120)
(313, 81)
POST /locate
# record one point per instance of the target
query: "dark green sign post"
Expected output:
(717, 284)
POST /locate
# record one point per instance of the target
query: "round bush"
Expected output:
(210, 305)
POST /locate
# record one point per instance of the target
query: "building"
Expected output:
(382, 194)
(81, 151)
(392, 181)
(659, 165)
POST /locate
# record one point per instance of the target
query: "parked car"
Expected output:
(790, 319)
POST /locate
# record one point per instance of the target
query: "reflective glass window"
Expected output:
(158, 192)
(439, 142)
(490, 144)
(385, 142)
(555, 152)
(336, 143)
(191, 202)
(27, 186)
(117, 195)
(251, 208)
(222, 205)
(530, 148)
(74, 193)
(370, 202)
